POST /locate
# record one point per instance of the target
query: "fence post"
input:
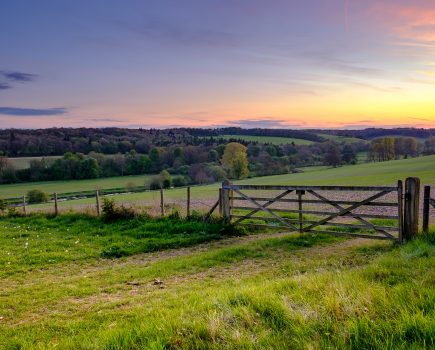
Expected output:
(226, 209)
(220, 202)
(188, 202)
(412, 201)
(162, 203)
(56, 209)
(97, 198)
(400, 199)
(426, 209)
(300, 193)
(24, 205)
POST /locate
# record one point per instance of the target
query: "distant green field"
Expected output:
(384, 173)
(20, 189)
(24, 162)
(268, 139)
(338, 138)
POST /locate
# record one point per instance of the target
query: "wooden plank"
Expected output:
(263, 208)
(339, 207)
(255, 210)
(263, 225)
(306, 188)
(338, 224)
(315, 201)
(348, 210)
(373, 216)
(359, 235)
(207, 216)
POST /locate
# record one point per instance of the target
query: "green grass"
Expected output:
(20, 189)
(24, 162)
(259, 292)
(268, 139)
(338, 138)
(369, 174)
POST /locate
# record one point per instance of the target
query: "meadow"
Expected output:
(275, 140)
(64, 286)
(383, 173)
(24, 162)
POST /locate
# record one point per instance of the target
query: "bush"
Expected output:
(37, 196)
(114, 251)
(179, 181)
(112, 212)
(3, 205)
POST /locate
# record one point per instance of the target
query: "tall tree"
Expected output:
(235, 160)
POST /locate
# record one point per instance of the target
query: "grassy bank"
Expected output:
(251, 292)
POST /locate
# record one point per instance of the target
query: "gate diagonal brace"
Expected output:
(347, 210)
(355, 216)
(261, 207)
(265, 205)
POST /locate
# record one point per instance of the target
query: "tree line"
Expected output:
(176, 165)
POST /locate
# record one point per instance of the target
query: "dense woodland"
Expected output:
(179, 157)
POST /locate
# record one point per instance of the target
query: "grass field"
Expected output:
(384, 173)
(264, 291)
(20, 189)
(268, 139)
(340, 139)
(24, 162)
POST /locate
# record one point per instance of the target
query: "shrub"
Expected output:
(114, 251)
(37, 196)
(179, 181)
(112, 212)
(3, 205)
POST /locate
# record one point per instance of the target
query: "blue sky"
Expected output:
(319, 63)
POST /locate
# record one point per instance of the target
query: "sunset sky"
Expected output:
(208, 63)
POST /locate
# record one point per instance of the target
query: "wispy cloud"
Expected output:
(30, 112)
(14, 76)
(5, 86)
(18, 76)
(187, 34)
(263, 123)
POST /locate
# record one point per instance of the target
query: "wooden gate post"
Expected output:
(400, 200)
(188, 202)
(24, 205)
(220, 202)
(412, 201)
(426, 209)
(56, 209)
(97, 200)
(226, 208)
(162, 203)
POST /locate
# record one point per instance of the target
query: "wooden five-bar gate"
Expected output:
(363, 211)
